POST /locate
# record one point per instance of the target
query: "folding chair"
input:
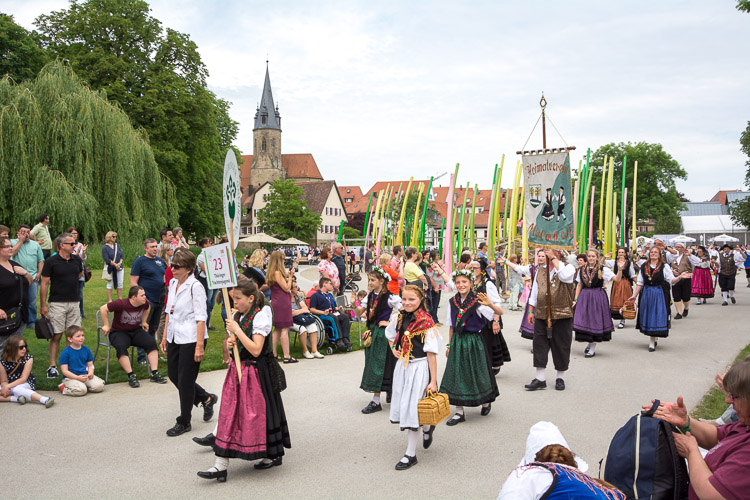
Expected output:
(105, 342)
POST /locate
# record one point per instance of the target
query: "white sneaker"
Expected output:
(307, 355)
(317, 354)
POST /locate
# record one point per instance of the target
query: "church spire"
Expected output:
(267, 115)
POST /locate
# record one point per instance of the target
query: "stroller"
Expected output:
(349, 282)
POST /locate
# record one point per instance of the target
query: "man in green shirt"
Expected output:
(29, 255)
(40, 234)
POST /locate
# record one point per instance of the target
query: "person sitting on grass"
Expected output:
(129, 328)
(323, 304)
(17, 383)
(77, 366)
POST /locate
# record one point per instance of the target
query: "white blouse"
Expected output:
(612, 264)
(394, 302)
(262, 322)
(186, 306)
(668, 275)
(565, 272)
(432, 340)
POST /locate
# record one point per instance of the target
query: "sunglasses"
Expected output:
(7, 246)
(23, 347)
(67, 243)
(175, 266)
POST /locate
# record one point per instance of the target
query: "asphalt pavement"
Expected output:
(113, 444)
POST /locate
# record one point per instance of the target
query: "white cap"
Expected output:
(544, 434)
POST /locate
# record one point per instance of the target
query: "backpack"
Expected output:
(642, 460)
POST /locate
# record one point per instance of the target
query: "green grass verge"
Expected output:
(94, 296)
(714, 403)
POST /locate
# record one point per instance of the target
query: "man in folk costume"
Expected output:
(561, 205)
(681, 261)
(552, 298)
(728, 262)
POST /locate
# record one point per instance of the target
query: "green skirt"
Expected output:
(379, 363)
(467, 379)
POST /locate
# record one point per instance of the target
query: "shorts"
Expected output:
(62, 315)
(120, 276)
(122, 340)
(682, 290)
(726, 282)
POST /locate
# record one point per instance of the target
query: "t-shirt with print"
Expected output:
(128, 317)
(150, 274)
(77, 359)
(63, 275)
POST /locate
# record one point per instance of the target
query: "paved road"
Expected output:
(113, 444)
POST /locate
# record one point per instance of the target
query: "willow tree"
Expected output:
(65, 150)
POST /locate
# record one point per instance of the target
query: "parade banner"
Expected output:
(548, 205)
(220, 266)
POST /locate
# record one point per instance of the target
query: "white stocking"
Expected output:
(411, 447)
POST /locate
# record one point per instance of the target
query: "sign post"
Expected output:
(232, 197)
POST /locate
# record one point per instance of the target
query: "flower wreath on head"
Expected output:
(381, 271)
(463, 272)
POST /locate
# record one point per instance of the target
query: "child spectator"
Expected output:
(385, 263)
(17, 383)
(357, 302)
(77, 366)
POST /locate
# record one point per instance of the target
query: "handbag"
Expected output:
(367, 338)
(304, 319)
(433, 408)
(106, 275)
(278, 377)
(86, 273)
(43, 328)
(13, 319)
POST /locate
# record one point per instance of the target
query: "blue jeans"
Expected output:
(33, 294)
(80, 297)
(210, 301)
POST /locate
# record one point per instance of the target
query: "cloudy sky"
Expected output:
(390, 89)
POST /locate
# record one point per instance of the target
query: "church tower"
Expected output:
(266, 165)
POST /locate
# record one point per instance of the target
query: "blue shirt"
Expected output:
(77, 359)
(322, 301)
(150, 274)
(29, 256)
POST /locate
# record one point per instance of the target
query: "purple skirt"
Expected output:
(702, 284)
(526, 329)
(241, 431)
(592, 320)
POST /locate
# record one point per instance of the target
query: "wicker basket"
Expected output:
(434, 408)
(628, 310)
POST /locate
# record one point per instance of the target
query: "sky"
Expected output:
(381, 91)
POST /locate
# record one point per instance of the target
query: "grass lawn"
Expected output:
(94, 296)
(714, 402)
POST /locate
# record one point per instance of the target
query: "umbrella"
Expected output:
(724, 238)
(683, 239)
(259, 238)
(293, 241)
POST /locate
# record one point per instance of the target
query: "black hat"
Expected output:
(727, 245)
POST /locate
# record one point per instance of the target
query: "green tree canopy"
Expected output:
(21, 57)
(70, 153)
(286, 214)
(657, 194)
(739, 210)
(158, 78)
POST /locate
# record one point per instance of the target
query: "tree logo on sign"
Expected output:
(230, 195)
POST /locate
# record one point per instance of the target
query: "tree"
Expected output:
(351, 233)
(21, 57)
(70, 153)
(743, 5)
(286, 214)
(739, 210)
(158, 78)
(658, 197)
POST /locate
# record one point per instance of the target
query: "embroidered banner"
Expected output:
(548, 200)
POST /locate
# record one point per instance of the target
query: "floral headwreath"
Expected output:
(381, 271)
(463, 272)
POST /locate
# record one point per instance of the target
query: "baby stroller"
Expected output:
(349, 282)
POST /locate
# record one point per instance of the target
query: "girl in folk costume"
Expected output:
(467, 379)
(252, 423)
(592, 321)
(703, 284)
(622, 289)
(492, 335)
(414, 341)
(652, 285)
(527, 329)
(379, 305)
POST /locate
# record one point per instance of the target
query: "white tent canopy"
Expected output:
(259, 238)
(699, 224)
(682, 239)
(724, 238)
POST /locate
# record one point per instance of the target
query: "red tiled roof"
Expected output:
(297, 166)
(382, 185)
(353, 192)
(721, 196)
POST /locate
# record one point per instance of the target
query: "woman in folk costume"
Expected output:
(682, 262)
(548, 213)
(652, 286)
(252, 423)
(414, 341)
(622, 289)
(527, 329)
(379, 305)
(592, 320)
(494, 342)
(703, 284)
(467, 379)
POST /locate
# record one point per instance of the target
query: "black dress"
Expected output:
(495, 345)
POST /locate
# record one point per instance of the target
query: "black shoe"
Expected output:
(456, 419)
(495, 371)
(536, 384)
(586, 351)
(372, 407)
(427, 441)
(208, 408)
(486, 410)
(267, 465)
(559, 385)
(723, 304)
(685, 313)
(178, 429)
(651, 349)
(208, 440)
(212, 328)
(678, 316)
(405, 465)
(388, 397)
(219, 475)
(733, 300)
(589, 354)
(340, 344)
(157, 378)
(133, 381)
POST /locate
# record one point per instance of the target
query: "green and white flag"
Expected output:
(548, 200)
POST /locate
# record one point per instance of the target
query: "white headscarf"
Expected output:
(544, 434)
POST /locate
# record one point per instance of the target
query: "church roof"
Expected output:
(267, 115)
(297, 166)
